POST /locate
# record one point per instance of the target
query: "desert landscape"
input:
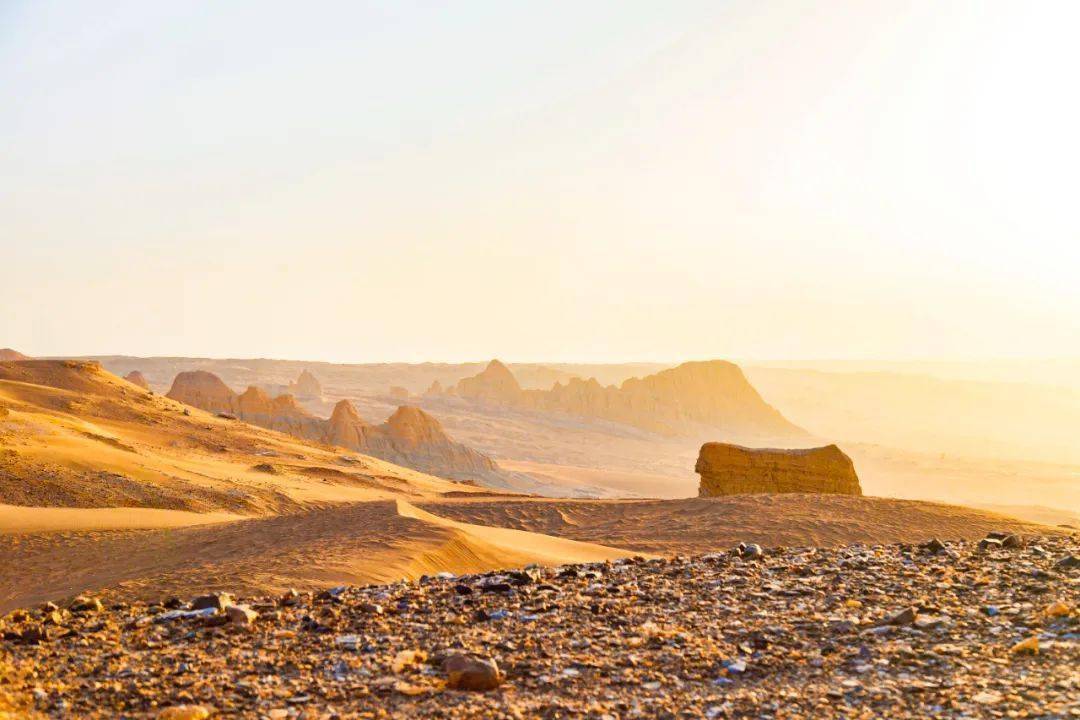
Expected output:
(539, 361)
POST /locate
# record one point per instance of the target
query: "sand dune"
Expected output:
(380, 541)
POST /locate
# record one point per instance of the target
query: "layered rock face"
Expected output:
(681, 400)
(735, 470)
(136, 378)
(410, 437)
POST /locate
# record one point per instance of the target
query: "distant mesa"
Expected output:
(735, 470)
(9, 355)
(683, 400)
(399, 393)
(136, 378)
(410, 437)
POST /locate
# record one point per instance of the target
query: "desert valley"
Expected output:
(132, 485)
(539, 360)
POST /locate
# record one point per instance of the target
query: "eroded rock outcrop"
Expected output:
(681, 400)
(735, 470)
(494, 384)
(137, 378)
(306, 387)
(410, 437)
(203, 390)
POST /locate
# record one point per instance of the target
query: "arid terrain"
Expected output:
(111, 491)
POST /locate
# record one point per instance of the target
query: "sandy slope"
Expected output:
(21, 519)
(379, 541)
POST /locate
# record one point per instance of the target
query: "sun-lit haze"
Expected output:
(566, 181)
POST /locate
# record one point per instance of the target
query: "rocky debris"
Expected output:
(676, 401)
(735, 470)
(137, 378)
(859, 631)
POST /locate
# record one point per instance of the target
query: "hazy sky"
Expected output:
(548, 180)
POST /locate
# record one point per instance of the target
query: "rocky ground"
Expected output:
(938, 630)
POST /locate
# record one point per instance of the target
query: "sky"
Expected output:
(562, 181)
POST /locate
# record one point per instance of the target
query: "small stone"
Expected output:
(289, 598)
(1012, 542)
(989, 544)
(904, 617)
(933, 546)
(472, 672)
(1068, 562)
(84, 604)
(241, 615)
(752, 551)
(1058, 609)
(1029, 646)
(217, 601)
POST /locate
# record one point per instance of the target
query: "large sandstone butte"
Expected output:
(410, 437)
(683, 400)
(735, 470)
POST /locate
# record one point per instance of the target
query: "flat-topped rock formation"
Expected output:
(137, 378)
(735, 470)
(680, 400)
(410, 437)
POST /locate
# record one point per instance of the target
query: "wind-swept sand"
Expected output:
(20, 519)
(355, 543)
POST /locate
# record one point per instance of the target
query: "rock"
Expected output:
(933, 546)
(1012, 541)
(84, 604)
(752, 551)
(904, 617)
(472, 672)
(217, 601)
(289, 598)
(731, 469)
(1029, 646)
(987, 544)
(241, 615)
(1068, 562)
(203, 390)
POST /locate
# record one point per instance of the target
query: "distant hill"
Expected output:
(686, 400)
